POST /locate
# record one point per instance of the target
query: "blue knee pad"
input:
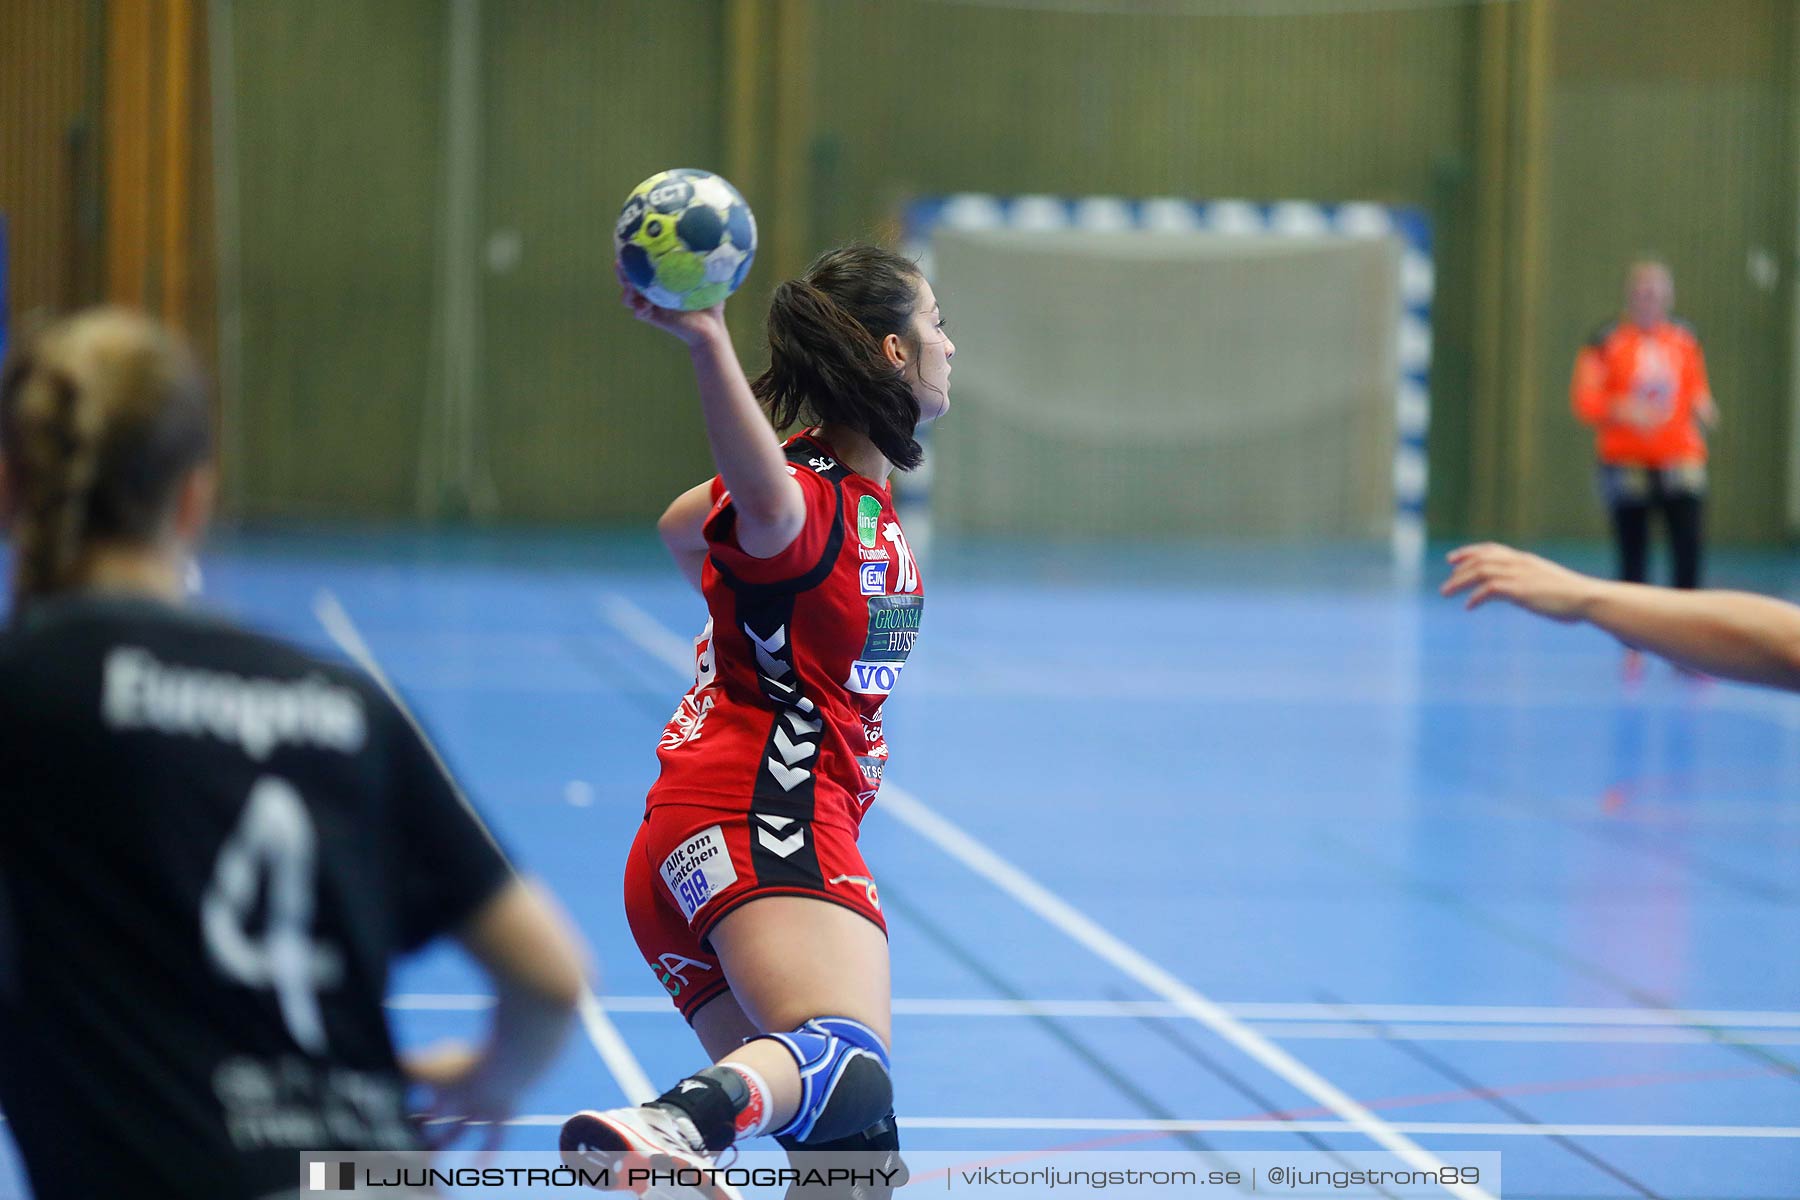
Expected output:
(844, 1082)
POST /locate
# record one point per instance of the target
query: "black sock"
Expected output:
(711, 1099)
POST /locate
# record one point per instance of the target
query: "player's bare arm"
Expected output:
(682, 527)
(525, 946)
(1734, 635)
(770, 509)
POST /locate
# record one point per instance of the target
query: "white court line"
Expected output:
(425, 1002)
(614, 1051)
(1580, 1035)
(1451, 1128)
(649, 634)
(604, 1035)
(1300, 1028)
(912, 812)
(1448, 1014)
(899, 803)
(1422, 1128)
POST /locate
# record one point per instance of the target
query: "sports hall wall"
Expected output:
(420, 273)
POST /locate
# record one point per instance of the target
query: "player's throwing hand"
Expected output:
(691, 327)
(1490, 571)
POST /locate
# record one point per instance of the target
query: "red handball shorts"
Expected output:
(691, 865)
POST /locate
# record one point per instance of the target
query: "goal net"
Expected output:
(1234, 384)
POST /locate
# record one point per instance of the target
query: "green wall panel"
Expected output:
(338, 166)
(588, 414)
(1663, 132)
(1667, 134)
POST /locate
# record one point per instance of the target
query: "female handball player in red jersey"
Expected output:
(745, 889)
(212, 844)
(1733, 635)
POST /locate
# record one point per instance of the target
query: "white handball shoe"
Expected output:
(649, 1138)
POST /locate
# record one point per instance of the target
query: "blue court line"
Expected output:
(1563, 957)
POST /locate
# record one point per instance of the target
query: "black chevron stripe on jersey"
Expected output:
(781, 806)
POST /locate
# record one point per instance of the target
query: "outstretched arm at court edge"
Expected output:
(1734, 635)
(770, 509)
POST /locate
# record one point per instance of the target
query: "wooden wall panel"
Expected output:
(48, 151)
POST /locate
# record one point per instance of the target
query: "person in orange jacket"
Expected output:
(1641, 382)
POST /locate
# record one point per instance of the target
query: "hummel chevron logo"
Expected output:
(802, 725)
(778, 689)
(781, 847)
(774, 822)
(789, 751)
(772, 666)
(788, 777)
(766, 650)
(692, 1085)
(773, 643)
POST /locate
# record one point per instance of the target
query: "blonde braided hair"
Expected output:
(101, 415)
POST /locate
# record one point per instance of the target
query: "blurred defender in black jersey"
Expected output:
(211, 845)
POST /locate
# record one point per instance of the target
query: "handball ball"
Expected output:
(685, 238)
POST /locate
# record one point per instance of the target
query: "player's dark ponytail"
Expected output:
(825, 357)
(101, 415)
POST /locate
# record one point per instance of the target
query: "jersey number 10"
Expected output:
(274, 850)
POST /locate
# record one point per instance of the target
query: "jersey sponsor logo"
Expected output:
(908, 577)
(699, 869)
(871, 766)
(295, 1103)
(688, 722)
(867, 885)
(873, 678)
(893, 628)
(868, 520)
(690, 714)
(671, 971)
(874, 578)
(138, 691)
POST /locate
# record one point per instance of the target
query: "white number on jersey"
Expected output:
(908, 569)
(274, 841)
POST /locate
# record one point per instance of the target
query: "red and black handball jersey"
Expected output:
(798, 656)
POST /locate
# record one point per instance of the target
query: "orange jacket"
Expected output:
(1645, 392)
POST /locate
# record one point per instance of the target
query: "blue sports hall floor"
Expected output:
(1182, 849)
